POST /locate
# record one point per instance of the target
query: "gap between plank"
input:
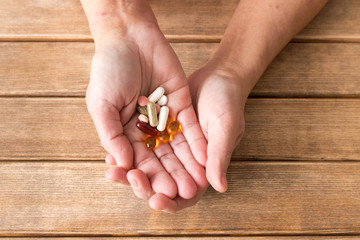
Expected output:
(254, 96)
(55, 235)
(170, 38)
(233, 161)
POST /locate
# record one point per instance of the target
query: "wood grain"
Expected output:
(50, 185)
(192, 237)
(288, 129)
(47, 129)
(300, 70)
(184, 20)
(296, 129)
(49, 198)
(45, 69)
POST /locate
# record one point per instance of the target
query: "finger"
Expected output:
(222, 139)
(117, 174)
(109, 159)
(182, 151)
(140, 184)
(193, 134)
(163, 203)
(185, 184)
(146, 161)
(181, 108)
(189, 145)
(106, 118)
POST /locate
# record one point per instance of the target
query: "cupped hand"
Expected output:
(124, 69)
(142, 188)
(219, 99)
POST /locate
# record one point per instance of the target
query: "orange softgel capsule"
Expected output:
(173, 127)
(150, 143)
(164, 137)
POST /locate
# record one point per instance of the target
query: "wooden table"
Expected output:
(295, 175)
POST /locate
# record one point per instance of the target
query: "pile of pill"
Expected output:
(153, 124)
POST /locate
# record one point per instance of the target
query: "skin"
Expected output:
(226, 80)
(256, 33)
(123, 68)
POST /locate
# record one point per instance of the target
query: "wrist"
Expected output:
(113, 20)
(241, 74)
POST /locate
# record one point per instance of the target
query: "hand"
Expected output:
(142, 188)
(219, 99)
(123, 68)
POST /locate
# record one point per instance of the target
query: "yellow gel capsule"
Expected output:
(164, 137)
(150, 143)
(173, 127)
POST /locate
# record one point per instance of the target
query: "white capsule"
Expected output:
(163, 117)
(157, 94)
(163, 100)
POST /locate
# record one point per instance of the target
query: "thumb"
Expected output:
(108, 124)
(222, 140)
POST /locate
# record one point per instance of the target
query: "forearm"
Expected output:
(115, 19)
(258, 31)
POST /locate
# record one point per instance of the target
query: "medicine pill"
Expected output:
(143, 118)
(152, 115)
(163, 100)
(147, 129)
(173, 127)
(157, 94)
(142, 101)
(142, 110)
(150, 143)
(163, 117)
(164, 137)
(157, 107)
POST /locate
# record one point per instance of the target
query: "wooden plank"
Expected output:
(312, 70)
(289, 129)
(47, 129)
(184, 20)
(314, 129)
(338, 21)
(49, 19)
(331, 24)
(73, 198)
(192, 237)
(45, 69)
(300, 70)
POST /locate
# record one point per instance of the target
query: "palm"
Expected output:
(220, 108)
(122, 73)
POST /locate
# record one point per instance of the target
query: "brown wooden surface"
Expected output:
(306, 108)
(192, 237)
(63, 69)
(289, 129)
(264, 198)
(190, 20)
